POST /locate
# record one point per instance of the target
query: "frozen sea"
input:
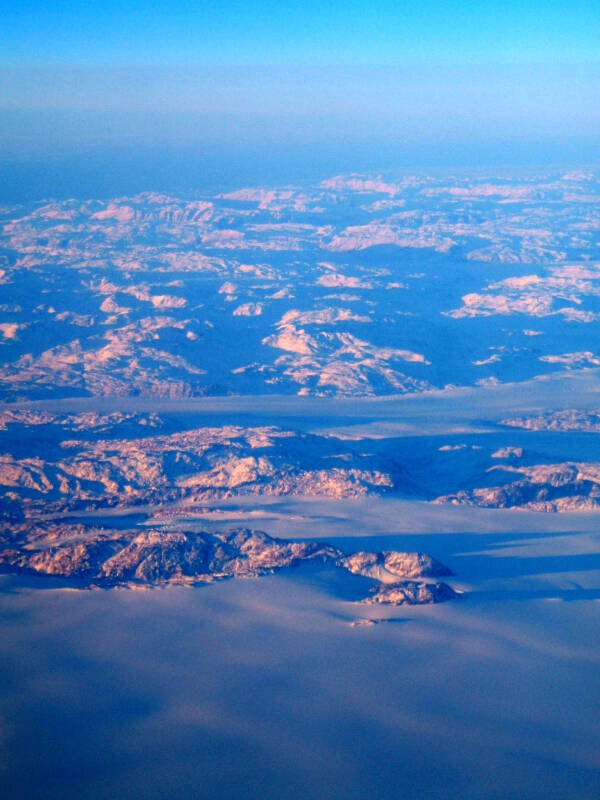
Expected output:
(263, 688)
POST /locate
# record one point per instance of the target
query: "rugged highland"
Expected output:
(103, 558)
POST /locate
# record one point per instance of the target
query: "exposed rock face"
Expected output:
(411, 593)
(156, 556)
(161, 469)
(568, 486)
(105, 558)
(569, 419)
(152, 557)
(388, 566)
(71, 559)
(134, 295)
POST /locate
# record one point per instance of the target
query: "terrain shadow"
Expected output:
(478, 559)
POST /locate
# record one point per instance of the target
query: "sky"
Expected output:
(436, 82)
(226, 32)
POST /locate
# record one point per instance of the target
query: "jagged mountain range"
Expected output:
(104, 558)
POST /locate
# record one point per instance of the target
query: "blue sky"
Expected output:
(423, 74)
(229, 32)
